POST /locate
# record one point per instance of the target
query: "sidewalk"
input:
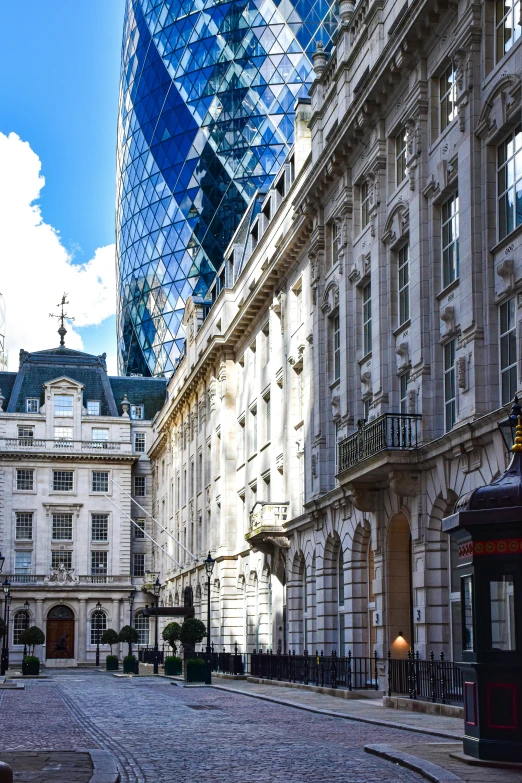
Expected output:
(363, 709)
(61, 766)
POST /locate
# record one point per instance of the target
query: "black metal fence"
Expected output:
(146, 654)
(435, 680)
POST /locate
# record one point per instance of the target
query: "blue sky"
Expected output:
(59, 61)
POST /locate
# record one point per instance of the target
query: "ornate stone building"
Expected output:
(72, 455)
(343, 385)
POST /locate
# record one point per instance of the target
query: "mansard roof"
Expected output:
(41, 367)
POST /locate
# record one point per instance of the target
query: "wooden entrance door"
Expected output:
(60, 633)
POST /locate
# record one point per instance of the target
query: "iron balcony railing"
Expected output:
(391, 431)
(91, 579)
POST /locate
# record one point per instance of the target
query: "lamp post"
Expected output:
(98, 618)
(130, 599)
(4, 662)
(26, 607)
(508, 426)
(209, 567)
(156, 590)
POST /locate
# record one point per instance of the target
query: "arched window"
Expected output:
(98, 626)
(141, 623)
(20, 623)
(340, 602)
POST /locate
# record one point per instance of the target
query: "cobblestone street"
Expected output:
(160, 733)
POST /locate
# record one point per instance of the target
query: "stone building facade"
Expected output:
(343, 384)
(73, 447)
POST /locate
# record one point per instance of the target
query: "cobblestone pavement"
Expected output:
(160, 733)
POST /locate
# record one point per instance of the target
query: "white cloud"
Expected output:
(35, 268)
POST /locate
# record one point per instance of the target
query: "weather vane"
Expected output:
(62, 331)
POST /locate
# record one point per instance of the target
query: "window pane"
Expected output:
(25, 479)
(100, 481)
(99, 527)
(502, 608)
(24, 526)
(467, 603)
(63, 405)
(63, 480)
(62, 527)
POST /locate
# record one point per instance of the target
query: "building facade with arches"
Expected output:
(73, 460)
(343, 382)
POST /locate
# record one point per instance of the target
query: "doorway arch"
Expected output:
(60, 632)
(400, 596)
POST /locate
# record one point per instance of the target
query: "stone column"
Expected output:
(82, 631)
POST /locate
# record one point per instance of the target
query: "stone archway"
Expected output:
(399, 598)
(60, 633)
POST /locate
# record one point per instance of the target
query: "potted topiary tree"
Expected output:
(193, 632)
(31, 637)
(171, 634)
(110, 637)
(129, 635)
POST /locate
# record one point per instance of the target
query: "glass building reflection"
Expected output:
(207, 95)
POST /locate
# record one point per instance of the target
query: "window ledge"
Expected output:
(507, 240)
(365, 358)
(299, 425)
(449, 288)
(265, 446)
(402, 327)
(241, 466)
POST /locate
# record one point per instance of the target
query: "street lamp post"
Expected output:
(26, 607)
(98, 618)
(4, 662)
(130, 599)
(156, 590)
(209, 567)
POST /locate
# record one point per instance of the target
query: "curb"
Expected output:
(425, 768)
(339, 693)
(331, 714)
(105, 768)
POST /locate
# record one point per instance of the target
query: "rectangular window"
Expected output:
(367, 318)
(100, 481)
(23, 563)
(400, 157)
(298, 293)
(447, 97)
(467, 613)
(139, 531)
(509, 183)
(200, 470)
(63, 405)
(192, 482)
(266, 343)
(63, 480)
(404, 284)
(266, 482)
(32, 405)
(99, 527)
(242, 440)
(507, 26)
(138, 565)
(300, 395)
(62, 527)
(508, 352)
(365, 204)
(93, 407)
(185, 487)
(450, 387)
(137, 411)
(100, 437)
(139, 442)
(336, 238)
(403, 384)
(63, 434)
(25, 432)
(268, 412)
(502, 608)
(24, 526)
(253, 418)
(61, 559)
(140, 486)
(99, 563)
(336, 334)
(25, 479)
(450, 240)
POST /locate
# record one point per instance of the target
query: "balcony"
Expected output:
(67, 579)
(267, 525)
(53, 447)
(390, 432)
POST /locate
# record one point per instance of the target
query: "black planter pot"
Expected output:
(31, 667)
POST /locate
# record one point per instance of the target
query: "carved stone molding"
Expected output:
(506, 271)
(404, 483)
(362, 498)
(397, 226)
(403, 352)
(447, 316)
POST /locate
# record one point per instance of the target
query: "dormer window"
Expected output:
(137, 411)
(93, 407)
(32, 405)
(63, 405)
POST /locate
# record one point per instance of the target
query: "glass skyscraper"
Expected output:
(208, 90)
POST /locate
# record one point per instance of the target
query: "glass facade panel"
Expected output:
(502, 607)
(206, 114)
